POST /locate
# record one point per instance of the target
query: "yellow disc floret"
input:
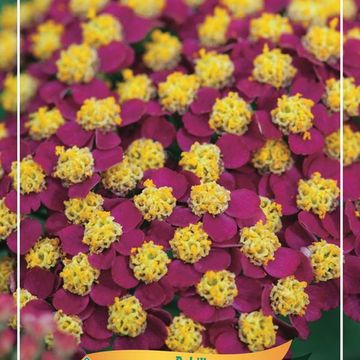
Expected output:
(191, 243)
(218, 288)
(146, 9)
(323, 42)
(274, 68)
(269, 26)
(155, 203)
(137, 86)
(44, 122)
(6, 271)
(78, 275)
(102, 114)
(101, 231)
(273, 213)
(32, 176)
(184, 334)
(85, 8)
(7, 49)
(45, 253)
(69, 324)
(209, 198)
(149, 262)
(162, 52)
(213, 69)
(325, 260)
(230, 114)
(213, 31)
(77, 64)
(74, 165)
(353, 33)
(7, 220)
(25, 297)
(318, 195)
(146, 154)
(178, 91)
(47, 39)
(331, 95)
(258, 244)
(257, 330)
(8, 18)
(3, 131)
(243, 8)
(288, 297)
(204, 160)
(127, 317)
(206, 350)
(274, 157)
(101, 30)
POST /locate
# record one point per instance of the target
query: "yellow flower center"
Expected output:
(214, 70)
(206, 350)
(78, 275)
(101, 231)
(184, 334)
(218, 288)
(325, 260)
(259, 244)
(288, 297)
(269, 26)
(101, 30)
(209, 198)
(85, 8)
(127, 317)
(190, 243)
(257, 330)
(45, 253)
(331, 96)
(213, 31)
(243, 8)
(69, 324)
(155, 203)
(44, 122)
(162, 52)
(204, 160)
(135, 87)
(47, 39)
(274, 68)
(8, 19)
(178, 91)
(3, 131)
(146, 154)
(353, 33)
(77, 64)
(7, 220)
(41, 6)
(274, 156)
(230, 114)
(318, 195)
(323, 42)
(273, 213)
(149, 262)
(25, 298)
(74, 165)
(7, 49)
(103, 114)
(6, 271)
(32, 176)
(146, 9)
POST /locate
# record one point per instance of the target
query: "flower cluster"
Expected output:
(179, 171)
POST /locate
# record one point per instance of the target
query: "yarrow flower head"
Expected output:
(155, 203)
(134, 86)
(44, 123)
(325, 260)
(213, 31)
(274, 68)
(241, 9)
(318, 195)
(102, 114)
(257, 330)
(184, 334)
(7, 49)
(209, 198)
(204, 160)
(190, 243)
(162, 52)
(127, 317)
(7, 220)
(178, 91)
(273, 213)
(258, 244)
(77, 64)
(218, 288)
(69, 324)
(146, 9)
(78, 275)
(288, 297)
(44, 254)
(274, 157)
(149, 262)
(231, 115)
(85, 8)
(213, 69)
